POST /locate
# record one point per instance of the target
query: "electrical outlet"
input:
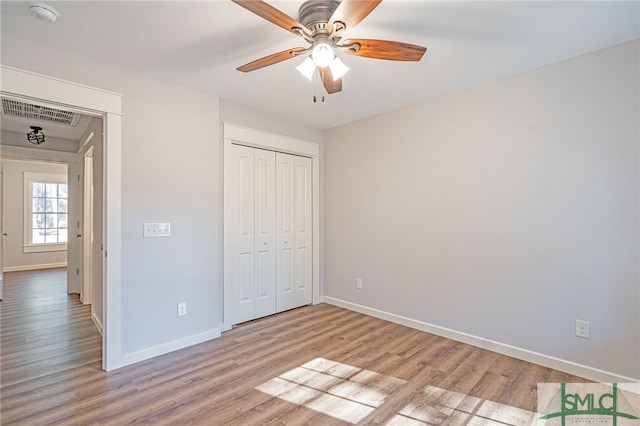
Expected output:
(182, 309)
(359, 283)
(583, 329)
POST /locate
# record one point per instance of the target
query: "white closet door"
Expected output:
(285, 217)
(303, 231)
(249, 234)
(293, 230)
(239, 240)
(265, 229)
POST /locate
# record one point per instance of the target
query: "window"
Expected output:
(46, 208)
(48, 213)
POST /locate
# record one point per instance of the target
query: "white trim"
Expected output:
(234, 134)
(87, 252)
(112, 354)
(10, 152)
(265, 140)
(27, 85)
(97, 323)
(165, 348)
(42, 248)
(491, 345)
(34, 267)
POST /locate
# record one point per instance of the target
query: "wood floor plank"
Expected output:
(316, 365)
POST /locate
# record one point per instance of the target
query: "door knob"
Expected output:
(78, 235)
(286, 242)
(265, 243)
(5, 234)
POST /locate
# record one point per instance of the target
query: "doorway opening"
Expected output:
(49, 192)
(32, 87)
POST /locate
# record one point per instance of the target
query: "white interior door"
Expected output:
(303, 231)
(285, 244)
(265, 229)
(268, 233)
(74, 231)
(249, 233)
(87, 228)
(239, 234)
(294, 231)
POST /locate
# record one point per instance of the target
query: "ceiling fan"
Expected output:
(322, 24)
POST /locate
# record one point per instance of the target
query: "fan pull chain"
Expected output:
(317, 81)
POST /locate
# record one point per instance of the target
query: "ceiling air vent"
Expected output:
(39, 112)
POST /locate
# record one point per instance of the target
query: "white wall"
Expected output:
(260, 120)
(170, 173)
(505, 211)
(14, 258)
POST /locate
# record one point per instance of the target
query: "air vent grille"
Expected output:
(39, 112)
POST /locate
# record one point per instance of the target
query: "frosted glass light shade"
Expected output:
(307, 67)
(322, 55)
(338, 68)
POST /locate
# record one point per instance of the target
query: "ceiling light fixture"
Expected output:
(44, 12)
(322, 56)
(308, 67)
(35, 136)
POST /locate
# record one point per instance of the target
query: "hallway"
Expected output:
(45, 331)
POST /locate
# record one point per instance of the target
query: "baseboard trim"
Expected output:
(154, 351)
(34, 267)
(501, 348)
(97, 323)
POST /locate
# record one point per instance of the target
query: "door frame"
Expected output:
(239, 135)
(25, 85)
(87, 228)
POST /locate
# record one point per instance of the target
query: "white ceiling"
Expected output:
(199, 44)
(54, 130)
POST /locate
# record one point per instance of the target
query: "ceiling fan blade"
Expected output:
(270, 60)
(271, 14)
(385, 49)
(327, 80)
(351, 12)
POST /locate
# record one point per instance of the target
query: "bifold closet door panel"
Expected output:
(303, 231)
(265, 233)
(285, 215)
(250, 256)
(293, 230)
(240, 238)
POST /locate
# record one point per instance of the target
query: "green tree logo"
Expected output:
(612, 404)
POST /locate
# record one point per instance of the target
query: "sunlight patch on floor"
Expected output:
(436, 406)
(338, 390)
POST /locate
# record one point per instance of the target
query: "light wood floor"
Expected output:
(319, 365)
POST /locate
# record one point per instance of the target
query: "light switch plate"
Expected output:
(152, 230)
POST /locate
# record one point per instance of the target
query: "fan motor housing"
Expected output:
(315, 14)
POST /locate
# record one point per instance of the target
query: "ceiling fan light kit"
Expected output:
(322, 24)
(322, 54)
(307, 68)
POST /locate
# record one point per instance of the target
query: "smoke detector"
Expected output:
(44, 12)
